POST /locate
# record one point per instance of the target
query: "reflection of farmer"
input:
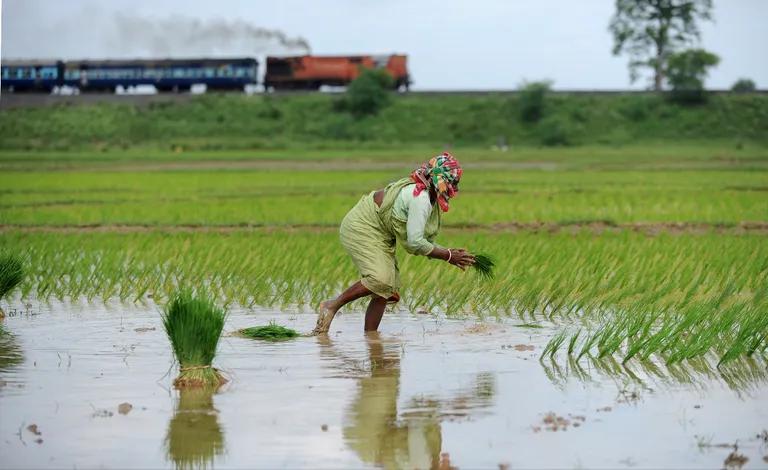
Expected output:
(405, 211)
(373, 431)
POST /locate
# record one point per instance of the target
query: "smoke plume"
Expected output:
(44, 29)
(187, 37)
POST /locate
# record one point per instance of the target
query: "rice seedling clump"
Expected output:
(484, 265)
(271, 332)
(193, 325)
(11, 273)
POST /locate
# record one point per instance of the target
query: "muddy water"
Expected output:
(89, 386)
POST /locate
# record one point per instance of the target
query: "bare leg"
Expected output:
(374, 313)
(327, 310)
(354, 292)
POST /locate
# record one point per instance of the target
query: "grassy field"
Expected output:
(644, 238)
(236, 122)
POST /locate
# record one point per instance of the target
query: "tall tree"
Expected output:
(650, 30)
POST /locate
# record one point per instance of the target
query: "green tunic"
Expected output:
(369, 233)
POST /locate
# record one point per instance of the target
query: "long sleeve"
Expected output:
(419, 209)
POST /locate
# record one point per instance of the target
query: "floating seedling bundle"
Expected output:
(193, 325)
(271, 332)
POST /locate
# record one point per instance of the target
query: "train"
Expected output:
(305, 72)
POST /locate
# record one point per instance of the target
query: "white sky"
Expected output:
(451, 44)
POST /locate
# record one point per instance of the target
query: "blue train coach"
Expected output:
(175, 75)
(31, 76)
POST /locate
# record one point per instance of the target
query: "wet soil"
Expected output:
(91, 386)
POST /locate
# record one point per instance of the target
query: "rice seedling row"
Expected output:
(617, 294)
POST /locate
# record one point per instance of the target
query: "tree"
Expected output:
(650, 30)
(368, 93)
(687, 71)
(744, 85)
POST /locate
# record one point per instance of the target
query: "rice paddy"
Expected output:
(193, 324)
(648, 271)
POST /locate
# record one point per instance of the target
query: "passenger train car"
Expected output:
(178, 75)
(106, 75)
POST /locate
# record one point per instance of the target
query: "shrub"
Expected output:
(555, 131)
(744, 85)
(367, 94)
(533, 99)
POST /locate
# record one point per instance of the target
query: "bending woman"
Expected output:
(407, 211)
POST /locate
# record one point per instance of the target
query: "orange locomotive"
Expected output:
(310, 72)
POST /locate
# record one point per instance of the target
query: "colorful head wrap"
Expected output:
(443, 173)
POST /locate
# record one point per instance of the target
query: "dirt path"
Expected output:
(648, 228)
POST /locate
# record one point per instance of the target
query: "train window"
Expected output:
(209, 72)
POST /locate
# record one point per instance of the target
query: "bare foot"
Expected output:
(325, 316)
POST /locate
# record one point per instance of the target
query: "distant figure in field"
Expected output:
(407, 211)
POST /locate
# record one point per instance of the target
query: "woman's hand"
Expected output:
(460, 258)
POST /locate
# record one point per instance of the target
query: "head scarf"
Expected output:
(443, 173)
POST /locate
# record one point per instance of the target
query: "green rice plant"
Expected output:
(271, 332)
(484, 265)
(11, 273)
(193, 325)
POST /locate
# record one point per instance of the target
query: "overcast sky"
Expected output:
(451, 44)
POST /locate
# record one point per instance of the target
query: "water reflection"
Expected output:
(410, 437)
(195, 437)
(10, 352)
(741, 376)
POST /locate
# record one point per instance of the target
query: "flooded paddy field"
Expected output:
(89, 385)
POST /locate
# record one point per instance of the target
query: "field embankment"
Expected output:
(240, 122)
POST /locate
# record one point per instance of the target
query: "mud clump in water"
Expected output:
(553, 423)
(34, 430)
(735, 461)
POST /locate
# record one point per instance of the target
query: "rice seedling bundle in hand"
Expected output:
(271, 332)
(193, 325)
(484, 265)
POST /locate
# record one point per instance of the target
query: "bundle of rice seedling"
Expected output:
(11, 273)
(193, 325)
(271, 332)
(484, 265)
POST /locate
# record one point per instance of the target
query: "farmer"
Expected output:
(407, 210)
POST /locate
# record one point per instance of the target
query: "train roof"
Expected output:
(27, 62)
(160, 62)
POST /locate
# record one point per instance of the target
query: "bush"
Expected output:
(744, 85)
(555, 131)
(367, 94)
(686, 73)
(533, 97)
